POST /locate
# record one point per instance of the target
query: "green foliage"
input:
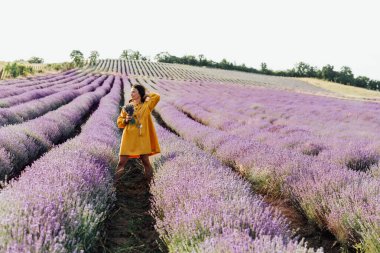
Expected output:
(328, 73)
(94, 55)
(362, 81)
(35, 59)
(129, 54)
(15, 69)
(301, 69)
(373, 85)
(201, 61)
(264, 69)
(345, 76)
(77, 58)
(62, 66)
(135, 55)
(124, 55)
(163, 57)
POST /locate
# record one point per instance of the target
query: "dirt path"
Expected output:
(314, 237)
(130, 227)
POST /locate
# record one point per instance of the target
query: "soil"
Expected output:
(314, 237)
(130, 226)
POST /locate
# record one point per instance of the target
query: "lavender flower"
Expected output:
(60, 202)
(129, 109)
(312, 175)
(197, 200)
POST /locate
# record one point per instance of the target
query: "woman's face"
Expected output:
(135, 94)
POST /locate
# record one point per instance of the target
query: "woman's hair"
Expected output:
(141, 90)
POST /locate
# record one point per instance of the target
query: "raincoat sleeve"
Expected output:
(152, 102)
(121, 118)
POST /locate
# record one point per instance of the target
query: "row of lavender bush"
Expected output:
(32, 79)
(17, 88)
(35, 108)
(62, 76)
(41, 92)
(202, 206)
(21, 144)
(355, 142)
(59, 203)
(343, 131)
(353, 150)
(344, 201)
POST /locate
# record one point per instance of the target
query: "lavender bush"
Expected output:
(197, 199)
(38, 107)
(25, 142)
(19, 87)
(60, 202)
(271, 169)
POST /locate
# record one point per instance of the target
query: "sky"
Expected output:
(280, 33)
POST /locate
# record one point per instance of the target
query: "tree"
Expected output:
(224, 64)
(16, 69)
(374, 85)
(345, 76)
(162, 57)
(77, 58)
(94, 55)
(145, 58)
(190, 59)
(35, 59)
(312, 72)
(328, 72)
(264, 67)
(135, 55)
(201, 57)
(362, 81)
(303, 69)
(124, 55)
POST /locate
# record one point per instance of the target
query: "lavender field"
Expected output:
(233, 145)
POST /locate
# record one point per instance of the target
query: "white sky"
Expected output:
(278, 32)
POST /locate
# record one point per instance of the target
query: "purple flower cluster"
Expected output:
(25, 142)
(42, 90)
(60, 202)
(335, 197)
(311, 125)
(35, 108)
(237, 242)
(25, 97)
(199, 204)
(18, 87)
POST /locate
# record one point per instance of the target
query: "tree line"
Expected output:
(301, 69)
(79, 60)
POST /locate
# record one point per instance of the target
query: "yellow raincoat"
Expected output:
(132, 143)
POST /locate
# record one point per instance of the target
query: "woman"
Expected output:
(139, 138)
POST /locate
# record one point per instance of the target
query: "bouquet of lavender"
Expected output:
(129, 109)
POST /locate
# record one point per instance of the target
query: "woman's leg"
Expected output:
(123, 159)
(147, 166)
